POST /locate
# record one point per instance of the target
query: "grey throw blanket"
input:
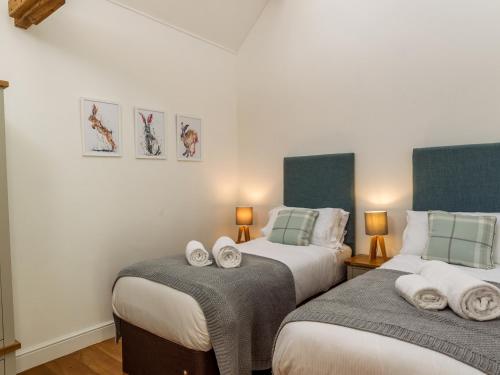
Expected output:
(243, 306)
(370, 303)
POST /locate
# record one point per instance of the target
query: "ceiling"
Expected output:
(222, 22)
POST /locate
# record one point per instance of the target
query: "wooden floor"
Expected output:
(100, 359)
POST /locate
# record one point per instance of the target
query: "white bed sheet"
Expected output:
(177, 317)
(319, 348)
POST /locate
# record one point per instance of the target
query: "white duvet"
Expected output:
(319, 348)
(177, 317)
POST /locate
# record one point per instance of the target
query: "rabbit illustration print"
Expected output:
(189, 138)
(100, 128)
(150, 139)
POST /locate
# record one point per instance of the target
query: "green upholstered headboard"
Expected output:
(457, 178)
(322, 181)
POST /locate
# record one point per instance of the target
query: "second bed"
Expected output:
(454, 179)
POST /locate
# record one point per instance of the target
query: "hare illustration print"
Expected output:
(189, 138)
(151, 145)
(149, 134)
(101, 128)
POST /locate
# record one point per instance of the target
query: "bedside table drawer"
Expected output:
(353, 271)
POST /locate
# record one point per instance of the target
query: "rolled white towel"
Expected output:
(420, 292)
(196, 254)
(468, 297)
(226, 255)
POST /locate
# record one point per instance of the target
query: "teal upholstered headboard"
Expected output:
(322, 181)
(457, 178)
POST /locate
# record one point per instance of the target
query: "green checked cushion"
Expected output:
(294, 227)
(461, 239)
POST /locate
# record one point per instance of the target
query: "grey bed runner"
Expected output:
(370, 303)
(243, 306)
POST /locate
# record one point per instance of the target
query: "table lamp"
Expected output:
(244, 218)
(376, 226)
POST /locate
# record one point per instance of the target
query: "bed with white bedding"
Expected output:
(177, 317)
(319, 348)
(461, 179)
(165, 330)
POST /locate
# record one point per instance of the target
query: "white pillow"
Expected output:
(416, 233)
(327, 224)
(338, 232)
(328, 229)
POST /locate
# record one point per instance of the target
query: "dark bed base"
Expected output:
(148, 354)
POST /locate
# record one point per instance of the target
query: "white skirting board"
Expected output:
(27, 358)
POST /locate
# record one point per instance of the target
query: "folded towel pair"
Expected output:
(438, 284)
(226, 255)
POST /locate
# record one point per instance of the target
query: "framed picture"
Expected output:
(100, 128)
(189, 138)
(150, 134)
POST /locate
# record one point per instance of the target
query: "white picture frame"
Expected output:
(101, 127)
(150, 134)
(189, 138)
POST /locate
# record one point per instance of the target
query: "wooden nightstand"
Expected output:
(360, 264)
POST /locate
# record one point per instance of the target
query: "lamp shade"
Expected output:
(244, 215)
(376, 223)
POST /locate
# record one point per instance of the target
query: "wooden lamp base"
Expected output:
(374, 244)
(243, 229)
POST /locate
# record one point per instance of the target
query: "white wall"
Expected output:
(76, 221)
(317, 76)
(372, 77)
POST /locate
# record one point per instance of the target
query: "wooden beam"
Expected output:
(19, 7)
(16, 345)
(32, 12)
(4, 84)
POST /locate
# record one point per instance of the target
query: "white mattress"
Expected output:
(177, 317)
(319, 348)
